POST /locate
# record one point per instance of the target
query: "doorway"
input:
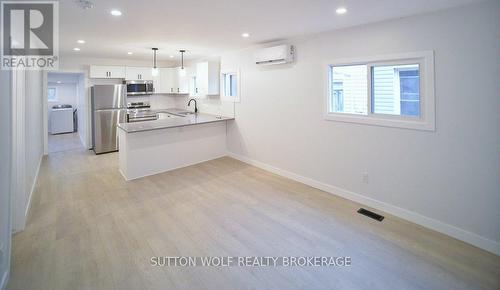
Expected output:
(66, 102)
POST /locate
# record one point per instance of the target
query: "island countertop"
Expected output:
(179, 121)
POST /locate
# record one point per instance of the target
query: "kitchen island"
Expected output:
(151, 147)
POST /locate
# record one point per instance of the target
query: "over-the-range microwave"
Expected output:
(136, 88)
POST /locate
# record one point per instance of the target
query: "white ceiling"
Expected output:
(207, 27)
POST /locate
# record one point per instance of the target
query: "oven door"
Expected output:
(137, 88)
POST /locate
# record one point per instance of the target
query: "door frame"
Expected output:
(18, 151)
(85, 107)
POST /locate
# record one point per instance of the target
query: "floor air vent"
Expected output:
(370, 214)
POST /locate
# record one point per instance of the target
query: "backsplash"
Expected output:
(212, 105)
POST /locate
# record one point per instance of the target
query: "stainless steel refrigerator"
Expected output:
(109, 107)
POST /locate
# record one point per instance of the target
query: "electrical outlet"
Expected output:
(366, 178)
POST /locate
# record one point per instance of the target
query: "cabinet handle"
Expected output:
(196, 90)
(171, 90)
(178, 90)
(110, 74)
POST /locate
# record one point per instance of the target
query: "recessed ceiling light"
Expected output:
(129, 52)
(81, 41)
(58, 82)
(341, 10)
(245, 35)
(76, 49)
(116, 12)
(171, 56)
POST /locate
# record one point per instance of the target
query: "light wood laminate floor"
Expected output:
(64, 142)
(89, 229)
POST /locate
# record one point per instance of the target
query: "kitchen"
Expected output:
(122, 115)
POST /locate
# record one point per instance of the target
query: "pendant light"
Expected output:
(154, 71)
(182, 71)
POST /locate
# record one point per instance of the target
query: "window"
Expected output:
(52, 94)
(396, 91)
(349, 89)
(230, 86)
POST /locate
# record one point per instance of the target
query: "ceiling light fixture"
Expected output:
(129, 53)
(154, 71)
(341, 10)
(81, 41)
(58, 82)
(76, 49)
(116, 12)
(182, 71)
(245, 35)
(171, 56)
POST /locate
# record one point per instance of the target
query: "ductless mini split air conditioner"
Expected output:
(275, 55)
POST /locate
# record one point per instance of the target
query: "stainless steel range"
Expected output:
(140, 111)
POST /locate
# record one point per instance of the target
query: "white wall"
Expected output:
(81, 105)
(33, 130)
(448, 180)
(5, 175)
(66, 94)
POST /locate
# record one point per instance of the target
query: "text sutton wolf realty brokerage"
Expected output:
(30, 35)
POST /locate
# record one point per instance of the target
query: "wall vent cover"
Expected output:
(371, 214)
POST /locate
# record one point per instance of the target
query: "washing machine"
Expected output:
(61, 119)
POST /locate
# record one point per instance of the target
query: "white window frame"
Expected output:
(236, 72)
(426, 121)
(56, 96)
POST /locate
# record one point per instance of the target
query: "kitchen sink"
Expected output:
(185, 113)
(164, 115)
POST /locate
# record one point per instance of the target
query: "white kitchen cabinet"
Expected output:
(182, 81)
(134, 73)
(207, 79)
(157, 84)
(169, 81)
(107, 72)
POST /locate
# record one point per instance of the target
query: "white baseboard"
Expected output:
(35, 180)
(447, 229)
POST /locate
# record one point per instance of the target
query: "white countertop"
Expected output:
(188, 120)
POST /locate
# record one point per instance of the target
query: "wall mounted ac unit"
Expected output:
(275, 55)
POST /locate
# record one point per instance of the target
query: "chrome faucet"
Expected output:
(195, 105)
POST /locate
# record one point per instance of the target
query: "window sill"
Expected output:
(395, 122)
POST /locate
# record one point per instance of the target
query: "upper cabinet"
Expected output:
(170, 81)
(199, 80)
(182, 81)
(207, 79)
(134, 73)
(107, 72)
(163, 82)
(129, 73)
